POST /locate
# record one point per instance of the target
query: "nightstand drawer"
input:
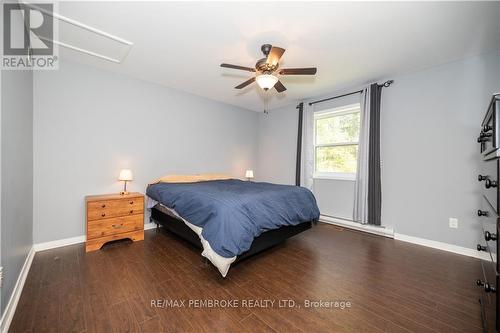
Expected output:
(112, 217)
(112, 226)
(97, 210)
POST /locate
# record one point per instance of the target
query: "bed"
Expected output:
(231, 219)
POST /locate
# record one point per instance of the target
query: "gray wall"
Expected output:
(277, 156)
(278, 145)
(16, 175)
(430, 121)
(89, 124)
(335, 197)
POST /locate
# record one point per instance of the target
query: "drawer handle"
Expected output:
(482, 139)
(481, 247)
(482, 212)
(481, 177)
(488, 236)
(131, 202)
(103, 206)
(131, 211)
(117, 226)
(103, 214)
(490, 183)
(489, 288)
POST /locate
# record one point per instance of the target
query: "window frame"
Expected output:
(337, 111)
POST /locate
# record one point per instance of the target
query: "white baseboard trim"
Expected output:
(381, 231)
(59, 243)
(376, 230)
(465, 251)
(73, 240)
(389, 232)
(10, 309)
(148, 226)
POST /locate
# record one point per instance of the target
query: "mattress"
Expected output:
(229, 214)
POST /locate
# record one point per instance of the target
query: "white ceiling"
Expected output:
(181, 44)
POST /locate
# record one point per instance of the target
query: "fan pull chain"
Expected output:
(266, 101)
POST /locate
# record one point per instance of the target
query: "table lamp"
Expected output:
(249, 174)
(125, 176)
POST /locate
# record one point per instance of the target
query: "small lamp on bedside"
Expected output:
(125, 176)
(249, 174)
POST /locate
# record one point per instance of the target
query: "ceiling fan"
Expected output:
(267, 69)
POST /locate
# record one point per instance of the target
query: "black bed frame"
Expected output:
(264, 241)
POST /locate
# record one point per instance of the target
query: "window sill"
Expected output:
(336, 177)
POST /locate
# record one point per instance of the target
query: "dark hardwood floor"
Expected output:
(392, 287)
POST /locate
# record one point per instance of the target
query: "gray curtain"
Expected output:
(360, 213)
(307, 154)
(298, 162)
(374, 183)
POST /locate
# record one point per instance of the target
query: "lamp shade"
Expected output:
(249, 174)
(266, 81)
(126, 174)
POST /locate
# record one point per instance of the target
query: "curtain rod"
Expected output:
(385, 84)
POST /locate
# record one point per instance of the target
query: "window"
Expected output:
(336, 136)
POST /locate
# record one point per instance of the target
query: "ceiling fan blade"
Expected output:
(244, 84)
(243, 68)
(298, 71)
(279, 86)
(274, 55)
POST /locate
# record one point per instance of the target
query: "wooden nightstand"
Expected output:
(114, 216)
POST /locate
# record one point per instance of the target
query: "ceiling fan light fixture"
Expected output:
(266, 81)
(267, 68)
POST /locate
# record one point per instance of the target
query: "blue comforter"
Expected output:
(233, 212)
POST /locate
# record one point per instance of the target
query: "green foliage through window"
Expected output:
(337, 129)
(336, 141)
(342, 159)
